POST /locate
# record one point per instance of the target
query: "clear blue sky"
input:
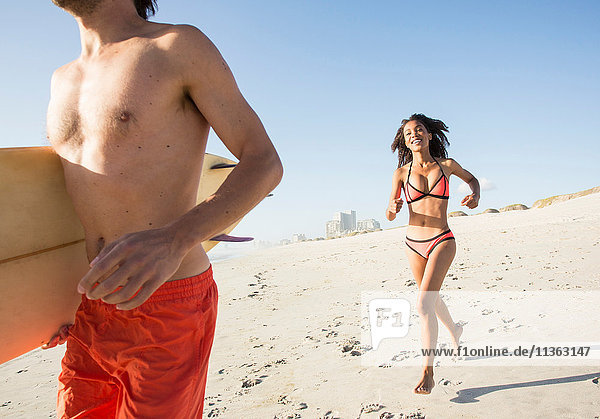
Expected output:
(517, 82)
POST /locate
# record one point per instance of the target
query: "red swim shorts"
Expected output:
(148, 362)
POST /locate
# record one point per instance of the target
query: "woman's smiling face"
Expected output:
(416, 136)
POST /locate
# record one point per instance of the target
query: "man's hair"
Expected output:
(146, 8)
(437, 145)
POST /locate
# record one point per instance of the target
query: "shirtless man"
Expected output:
(130, 119)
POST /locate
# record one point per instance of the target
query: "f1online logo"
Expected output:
(388, 318)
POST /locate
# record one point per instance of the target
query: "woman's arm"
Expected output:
(395, 201)
(472, 200)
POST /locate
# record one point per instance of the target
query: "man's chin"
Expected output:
(80, 8)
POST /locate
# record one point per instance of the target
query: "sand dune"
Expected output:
(540, 203)
(290, 344)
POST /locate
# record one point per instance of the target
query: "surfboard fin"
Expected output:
(223, 166)
(233, 239)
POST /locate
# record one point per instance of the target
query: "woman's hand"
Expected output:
(470, 201)
(395, 206)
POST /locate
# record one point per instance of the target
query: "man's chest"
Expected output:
(108, 101)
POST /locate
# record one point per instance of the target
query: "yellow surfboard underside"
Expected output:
(42, 249)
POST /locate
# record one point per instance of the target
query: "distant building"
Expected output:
(368, 225)
(283, 242)
(347, 220)
(343, 222)
(332, 229)
(298, 238)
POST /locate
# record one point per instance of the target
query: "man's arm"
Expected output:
(208, 81)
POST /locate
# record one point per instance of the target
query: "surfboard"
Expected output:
(42, 248)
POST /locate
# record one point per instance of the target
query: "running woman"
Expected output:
(423, 173)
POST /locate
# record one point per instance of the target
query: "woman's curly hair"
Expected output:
(437, 145)
(146, 8)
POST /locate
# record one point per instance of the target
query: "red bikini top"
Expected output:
(440, 188)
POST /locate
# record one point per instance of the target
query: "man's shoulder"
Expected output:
(189, 51)
(175, 37)
(65, 71)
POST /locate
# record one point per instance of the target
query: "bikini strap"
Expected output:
(440, 166)
(446, 184)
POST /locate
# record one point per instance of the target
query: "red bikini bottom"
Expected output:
(425, 247)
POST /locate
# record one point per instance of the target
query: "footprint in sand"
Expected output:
(355, 348)
(248, 365)
(250, 382)
(349, 345)
(331, 333)
(212, 400)
(371, 408)
(216, 412)
(401, 356)
(283, 399)
(390, 415)
(446, 382)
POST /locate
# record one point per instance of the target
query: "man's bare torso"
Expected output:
(130, 139)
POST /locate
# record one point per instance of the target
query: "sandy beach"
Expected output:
(290, 339)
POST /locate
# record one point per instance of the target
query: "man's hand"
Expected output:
(59, 338)
(140, 261)
(470, 201)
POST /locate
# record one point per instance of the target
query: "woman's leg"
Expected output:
(417, 265)
(441, 310)
(435, 270)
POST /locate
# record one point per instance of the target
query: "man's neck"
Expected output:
(112, 21)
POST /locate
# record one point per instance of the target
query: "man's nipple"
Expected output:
(100, 244)
(125, 116)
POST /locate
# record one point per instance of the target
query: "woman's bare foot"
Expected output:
(458, 329)
(426, 383)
